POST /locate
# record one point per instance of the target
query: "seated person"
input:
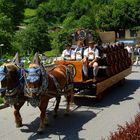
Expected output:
(91, 56)
(79, 55)
(68, 53)
(79, 51)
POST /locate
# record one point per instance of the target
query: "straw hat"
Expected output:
(91, 41)
(137, 46)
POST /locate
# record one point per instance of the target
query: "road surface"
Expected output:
(86, 122)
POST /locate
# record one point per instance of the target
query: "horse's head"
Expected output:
(35, 80)
(3, 79)
(10, 80)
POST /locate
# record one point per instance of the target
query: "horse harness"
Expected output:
(43, 90)
(12, 95)
(68, 86)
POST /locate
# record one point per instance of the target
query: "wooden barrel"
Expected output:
(112, 68)
(112, 59)
(115, 56)
(120, 67)
(129, 61)
(102, 61)
(109, 71)
(123, 65)
(119, 55)
(122, 53)
(125, 53)
(104, 71)
(108, 59)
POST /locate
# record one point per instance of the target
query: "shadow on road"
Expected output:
(114, 95)
(63, 127)
(68, 128)
(120, 94)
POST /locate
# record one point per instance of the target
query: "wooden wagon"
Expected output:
(97, 87)
(114, 66)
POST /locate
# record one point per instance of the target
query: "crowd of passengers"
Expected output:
(88, 55)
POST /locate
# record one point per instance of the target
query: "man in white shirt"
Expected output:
(137, 51)
(91, 55)
(130, 50)
(79, 51)
(68, 53)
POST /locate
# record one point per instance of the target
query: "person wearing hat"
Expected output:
(68, 53)
(91, 56)
(79, 51)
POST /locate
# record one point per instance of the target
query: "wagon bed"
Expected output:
(98, 87)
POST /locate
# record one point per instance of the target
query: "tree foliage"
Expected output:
(55, 20)
(6, 30)
(13, 9)
(122, 14)
(34, 38)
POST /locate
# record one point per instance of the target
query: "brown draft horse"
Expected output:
(11, 88)
(42, 85)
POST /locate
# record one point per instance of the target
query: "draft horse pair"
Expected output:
(35, 85)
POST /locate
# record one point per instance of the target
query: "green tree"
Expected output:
(13, 9)
(122, 14)
(54, 11)
(34, 38)
(6, 31)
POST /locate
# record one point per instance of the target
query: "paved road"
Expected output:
(85, 122)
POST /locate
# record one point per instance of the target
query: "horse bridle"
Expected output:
(11, 92)
(43, 89)
(39, 90)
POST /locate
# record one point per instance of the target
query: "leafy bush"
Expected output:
(131, 131)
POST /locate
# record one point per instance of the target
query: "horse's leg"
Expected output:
(43, 117)
(68, 97)
(57, 106)
(18, 119)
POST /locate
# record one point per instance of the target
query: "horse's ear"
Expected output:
(16, 59)
(5, 69)
(36, 59)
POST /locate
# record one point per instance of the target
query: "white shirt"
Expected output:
(91, 53)
(129, 49)
(68, 54)
(78, 54)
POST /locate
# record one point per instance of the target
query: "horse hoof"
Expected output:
(47, 124)
(40, 131)
(19, 125)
